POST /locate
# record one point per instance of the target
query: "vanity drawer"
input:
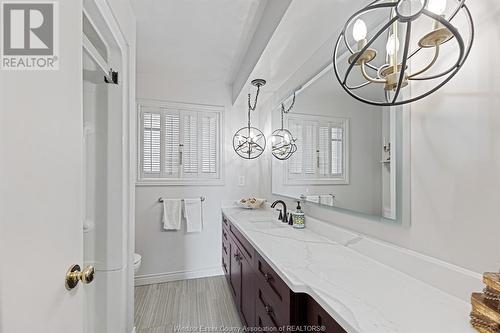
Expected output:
(246, 247)
(225, 242)
(265, 315)
(271, 282)
(225, 246)
(225, 257)
(225, 221)
(225, 235)
(317, 316)
(225, 263)
(280, 307)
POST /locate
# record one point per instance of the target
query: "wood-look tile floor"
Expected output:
(186, 306)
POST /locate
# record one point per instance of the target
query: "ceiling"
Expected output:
(302, 45)
(194, 39)
(232, 42)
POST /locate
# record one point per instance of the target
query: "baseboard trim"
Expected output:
(146, 279)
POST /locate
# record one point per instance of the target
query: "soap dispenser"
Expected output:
(299, 218)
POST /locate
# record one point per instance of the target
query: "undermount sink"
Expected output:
(262, 219)
(267, 223)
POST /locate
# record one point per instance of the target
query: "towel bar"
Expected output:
(201, 198)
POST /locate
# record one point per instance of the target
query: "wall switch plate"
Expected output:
(241, 181)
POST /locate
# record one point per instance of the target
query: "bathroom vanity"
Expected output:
(263, 299)
(328, 276)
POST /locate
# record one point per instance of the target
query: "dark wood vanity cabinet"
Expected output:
(262, 297)
(240, 273)
(317, 316)
(247, 292)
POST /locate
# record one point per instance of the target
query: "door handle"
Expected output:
(74, 275)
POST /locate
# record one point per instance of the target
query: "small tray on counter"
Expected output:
(250, 203)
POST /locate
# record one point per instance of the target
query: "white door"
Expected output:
(41, 193)
(47, 193)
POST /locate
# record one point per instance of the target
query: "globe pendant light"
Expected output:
(283, 143)
(392, 74)
(249, 142)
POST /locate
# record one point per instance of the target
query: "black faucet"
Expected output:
(284, 216)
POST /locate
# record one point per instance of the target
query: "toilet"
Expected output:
(137, 262)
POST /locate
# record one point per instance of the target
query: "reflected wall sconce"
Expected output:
(407, 19)
(249, 142)
(283, 143)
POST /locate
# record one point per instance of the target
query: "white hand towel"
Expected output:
(172, 209)
(312, 198)
(327, 200)
(193, 215)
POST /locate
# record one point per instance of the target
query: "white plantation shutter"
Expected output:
(209, 140)
(310, 148)
(337, 150)
(296, 161)
(180, 145)
(172, 149)
(190, 144)
(323, 150)
(151, 143)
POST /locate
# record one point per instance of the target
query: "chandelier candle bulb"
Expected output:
(359, 32)
(393, 49)
(438, 7)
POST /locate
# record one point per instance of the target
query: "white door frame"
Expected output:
(127, 81)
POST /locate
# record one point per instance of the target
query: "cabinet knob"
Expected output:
(268, 277)
(268, 309)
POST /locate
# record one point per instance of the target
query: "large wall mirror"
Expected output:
(350, 156)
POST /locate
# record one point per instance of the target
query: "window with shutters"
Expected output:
(179, 144)
(322, 151)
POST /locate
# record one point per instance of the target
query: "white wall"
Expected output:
(167, 255)
(455, 148)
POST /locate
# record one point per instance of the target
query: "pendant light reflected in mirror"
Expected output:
(418, 30)
(282, 141)
(249, 142)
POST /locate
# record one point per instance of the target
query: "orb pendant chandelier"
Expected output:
(420, 31)
(249, 142)
(283, 143)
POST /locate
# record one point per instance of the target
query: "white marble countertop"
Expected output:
(361, 294)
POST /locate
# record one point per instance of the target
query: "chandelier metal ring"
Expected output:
(283, 144)
(249, 142)
(395, 76)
